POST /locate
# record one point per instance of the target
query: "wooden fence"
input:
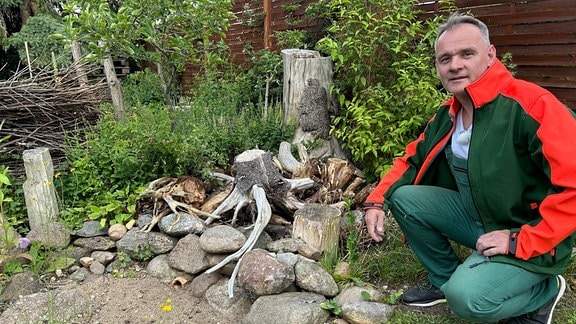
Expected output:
(540, 34)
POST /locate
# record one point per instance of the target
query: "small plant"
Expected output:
(144, 252)
(252, 17)
(293, 38)
(393, 298)
(332, 306)
(11, 248)
(167, 305)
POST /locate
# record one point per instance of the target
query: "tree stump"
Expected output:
(318, 225)
(300, 66)
(38, 188)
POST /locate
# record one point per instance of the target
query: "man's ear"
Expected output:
(491, 53)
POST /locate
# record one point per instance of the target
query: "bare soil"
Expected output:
(129, 297)
(145, 299)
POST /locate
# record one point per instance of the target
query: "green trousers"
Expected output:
(476, 289)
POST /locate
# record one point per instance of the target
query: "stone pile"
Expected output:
(277, 279)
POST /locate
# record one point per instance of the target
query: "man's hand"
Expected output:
(492, 243)
(375, 223)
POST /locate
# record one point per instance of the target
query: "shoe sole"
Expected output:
(427, 304)
(561, 290)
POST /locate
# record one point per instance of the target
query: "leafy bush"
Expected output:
(384, 77)
(142, 87)
(105, 173)
(41, 47)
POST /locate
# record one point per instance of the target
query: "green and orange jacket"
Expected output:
(521, 166)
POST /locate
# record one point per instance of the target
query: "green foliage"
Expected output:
(106, 171)
(38, 262)
(36, 33)
(143, 252)
(60, 263)
(332, 306)
(293, 38)
(7, 240)
(5, 4)
(142, 88)
(509, 63)
(175, 32)
(264, 67)
(11, 249)
(290, 16)
(385, 77)
(352, 239)
(393, 298)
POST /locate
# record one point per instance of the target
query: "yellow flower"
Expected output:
(57, 175)
(167, 307)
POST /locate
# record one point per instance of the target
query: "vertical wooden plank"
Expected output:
(267, 24)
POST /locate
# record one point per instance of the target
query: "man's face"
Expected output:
(462, 56)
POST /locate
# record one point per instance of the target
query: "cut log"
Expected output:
(39, 192)
(319, 226)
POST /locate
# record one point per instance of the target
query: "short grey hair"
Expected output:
(456, 19)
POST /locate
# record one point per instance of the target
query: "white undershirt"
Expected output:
(461, 138)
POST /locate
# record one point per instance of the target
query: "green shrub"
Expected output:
(105, 173)
(384, 77)
(41, 47)
(142, 87)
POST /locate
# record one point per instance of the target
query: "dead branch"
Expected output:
(41, 111)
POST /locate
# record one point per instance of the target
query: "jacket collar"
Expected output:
(486, 87)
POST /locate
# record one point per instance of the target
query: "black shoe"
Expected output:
(423, 296)
(543, 315)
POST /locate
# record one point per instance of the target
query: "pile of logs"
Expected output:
(38, 108)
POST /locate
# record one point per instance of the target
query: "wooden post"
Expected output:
(299, 66)
(38, 188)
(115, 88)
(267, 24)
(80, 71)
(318, 225)
(28, 58)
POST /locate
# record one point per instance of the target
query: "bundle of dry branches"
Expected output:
(41, 108)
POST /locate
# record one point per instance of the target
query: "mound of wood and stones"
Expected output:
(255, 236)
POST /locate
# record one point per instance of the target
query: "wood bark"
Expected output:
(39, 192)
(319, 226)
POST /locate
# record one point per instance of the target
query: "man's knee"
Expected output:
(471, 304)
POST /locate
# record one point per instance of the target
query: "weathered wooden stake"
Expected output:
(80, 71)
(38, 188)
